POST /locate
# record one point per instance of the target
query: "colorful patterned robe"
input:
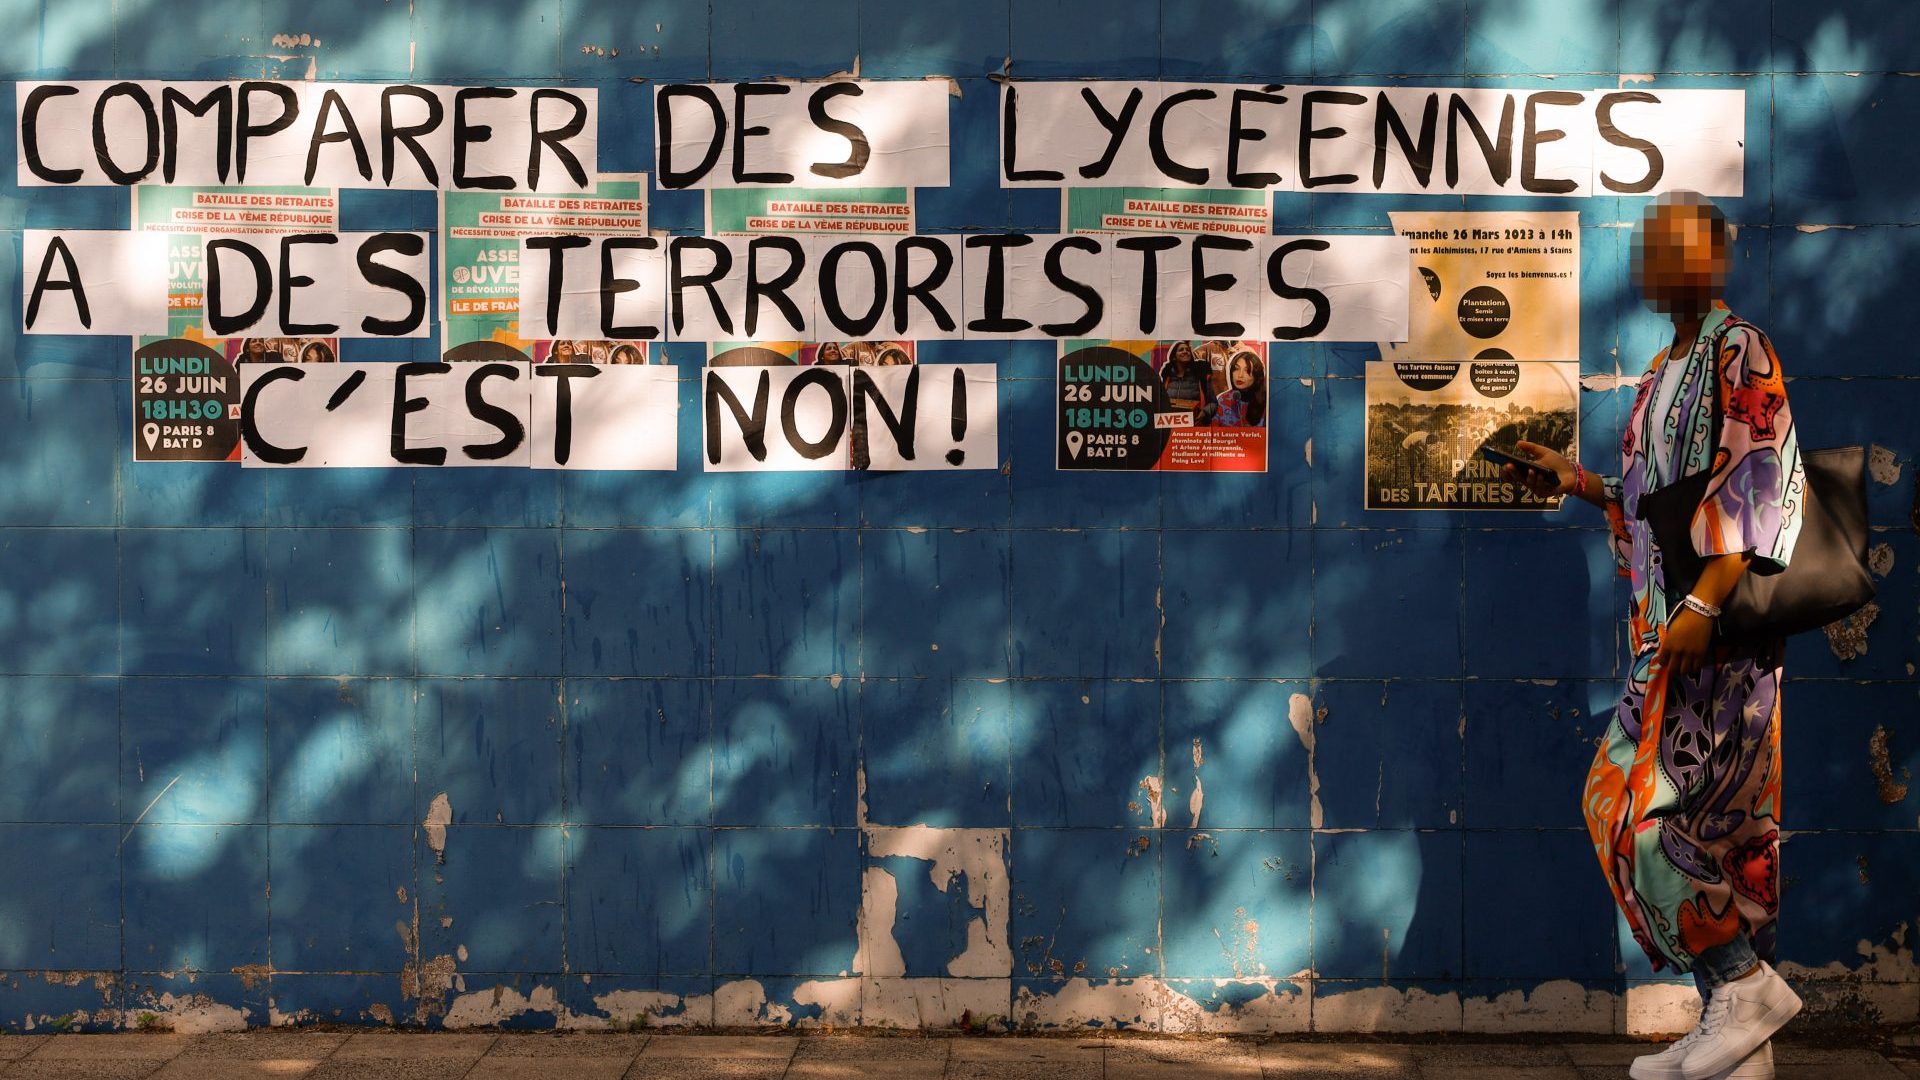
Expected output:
(1683, 798)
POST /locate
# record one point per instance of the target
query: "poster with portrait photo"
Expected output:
(186, 389)
(1209, 397)
(1427, 421)
(1166, 406)
(480, 234)
(1490, 286)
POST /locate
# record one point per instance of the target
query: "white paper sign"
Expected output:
(1372, 139)
(833, 417)
(331, 284)
(832, 134)
(75, 282)
(616, 416)
(385, 415)
(307, 134)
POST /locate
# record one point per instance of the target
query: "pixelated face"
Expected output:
(1680, 257)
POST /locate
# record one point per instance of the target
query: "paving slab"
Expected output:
(699, 1068)
(584, 1044)
(721, 1047)
(377, 1068)
(1337, 1061)
(424, 1046)
(13, 1047)
(1433, 1056)
(549, 1068)
(265, 1045)
(186, 1068)
(902, 1048)
(1500, 1072)
(1217, 1059)
(130, 1046)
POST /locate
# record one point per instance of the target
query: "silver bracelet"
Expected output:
(1700, 606)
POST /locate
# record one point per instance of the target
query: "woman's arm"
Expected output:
(1567, 478)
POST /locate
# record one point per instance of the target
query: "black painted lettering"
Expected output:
(1116, 126)
(1418, 152)
(1149, 248)
(1238, 133)
(774, 288)
(1009, 139)
(556, 248)
(905, 289)
(742, 131)
(382, 276)
(1310, 134)
(612, 286)
(563, 403)
(103, 150)
(512, 431)
(679, 280)
(466, 134)
(861, 325)
(1205, 283)
(330, 105)
(290, 281)
(859, 149)
(1497, 152)
(257, 444)
(1656, 161)
(248, 129)
(752, 423)
(44, 280)
(1157, 138)
(1532, 136)
(30, 134)
(993, 318)
(554, 140)
(1092, 302)
(668, 176)
(218, 321)
(1277, 282)
(218, 101)
(393, 135)
(403, 405)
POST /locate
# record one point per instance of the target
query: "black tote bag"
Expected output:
(1826, 577)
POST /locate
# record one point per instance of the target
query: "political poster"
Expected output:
(480, 268)
(1492, 286)
(1427, 422)
(186, 389)
(1180, 405)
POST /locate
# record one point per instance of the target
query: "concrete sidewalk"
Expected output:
(582, 1056)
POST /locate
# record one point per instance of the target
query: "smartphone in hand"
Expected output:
(1511, 456)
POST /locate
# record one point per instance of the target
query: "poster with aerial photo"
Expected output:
(1427, 422)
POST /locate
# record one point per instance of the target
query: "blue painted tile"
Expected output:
(785, 602)
(943, 37)
(1339, 454)
(492, 746)
(966, 499)
(196, 897)
(1845, 888)
(638, 752)
(487, 602)
(1572, 38)
(1083, 604)
(1084, 39)
(1541, 909)
(32, 1002)
(1528, 747)
(769, 500)
(1392, 905)
(1388, 754)
(606, 500)
(934, 603)
(502, 887)
(1824, 781)
(1281, 497)
(525, 498)
(58, 578)
(1393, 37)
(1252, 765)
(657, 40)
(1386, 603)
(936, 752)
(63, 471)
(339, 891)
(786, 901)
(974, 199)
(637, 901)
(305, 498)
(1845, 35)
(669, 1000)
(1086, 904)
(1509, 580)
(1264, 40)
(784, 752)
(206, 495)
(75, 927)
(491, 39)
(932, 914)
(214, 41)
(1661, 38)
(637, 601)
(342, 751)
(173, 998)
(757, 39)
(1818, 329)
(1245, 900)
(379, 208)
(1847, 162)
(75, 42)
(339, 602)
(1048, 497)
(1864, 412)
(1238, 604)
(194, 750)
(19, 55)
(373, 1001)
(60, 744)
(1082, 752)
(374, 43)
(193, 601)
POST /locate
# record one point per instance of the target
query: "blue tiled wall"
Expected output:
(355, 746)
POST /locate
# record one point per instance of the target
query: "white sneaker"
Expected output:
(1739, 1019)
(1665, 1065)
(1758, 1066)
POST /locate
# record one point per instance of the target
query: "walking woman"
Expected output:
(1683, 798)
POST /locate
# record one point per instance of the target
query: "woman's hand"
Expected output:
(1687, 643)
(1558, 480)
